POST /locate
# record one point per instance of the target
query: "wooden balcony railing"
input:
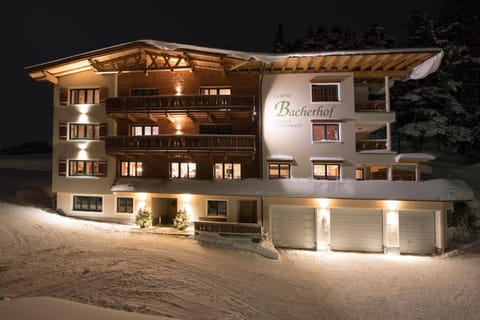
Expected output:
(187, 142)
(371, 106)
(229, 229)
(367, 145)
(178, 103)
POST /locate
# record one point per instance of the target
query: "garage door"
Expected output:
(356, 229)
(417, 231)
(293, 227)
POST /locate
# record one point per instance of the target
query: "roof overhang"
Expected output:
(152, 56)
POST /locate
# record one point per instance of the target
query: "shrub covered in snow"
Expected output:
(181, 220)
(144, 217)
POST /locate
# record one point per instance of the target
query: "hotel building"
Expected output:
(296, 147)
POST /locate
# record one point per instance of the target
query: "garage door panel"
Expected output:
(417, 231)
(356, 229)
(293, 227)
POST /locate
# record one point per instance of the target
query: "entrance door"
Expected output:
(247, 211)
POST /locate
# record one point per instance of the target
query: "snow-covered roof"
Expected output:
(429, 190)
(416, 157)
(416, 62)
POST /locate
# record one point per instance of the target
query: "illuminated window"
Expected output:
(144, 92)
(124, 205)
(84, 131)
(322, 132)
(325, 92)
(86, 203)
(185, 170)
(216, 208)
(85, 96)
(326, 171)
(215, 91)
(92, 168)
(143, 130)
(360, 174)
(131, 168)
(279, 170)
(227, 170)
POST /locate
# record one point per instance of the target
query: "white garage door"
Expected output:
(417, 231)
(356, 229)
(293, 227)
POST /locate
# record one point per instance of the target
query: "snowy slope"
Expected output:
(52, 264)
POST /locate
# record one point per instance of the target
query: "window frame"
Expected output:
(208, 90)
(118, 205)
(217, 214)
(224, 169)
(326, 166)
(144, 92)
(143, 127)
(93, 166)
(137, 171)
(325, 84)
(95, 131)
(191, 166)
(88, 199)
(75, 95)
(279, 165)
(326, 124)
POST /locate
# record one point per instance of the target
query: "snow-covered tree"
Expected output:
(433, 108)
(279, 42)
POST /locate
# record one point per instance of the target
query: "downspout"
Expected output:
(260, 134)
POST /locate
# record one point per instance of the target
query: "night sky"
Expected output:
(43, 32)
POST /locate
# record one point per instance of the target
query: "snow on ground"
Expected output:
(52, 265)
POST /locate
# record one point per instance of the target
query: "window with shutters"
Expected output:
(75, 96)
(87, 203)
(84, 131)
(84, 96)
(90, 168)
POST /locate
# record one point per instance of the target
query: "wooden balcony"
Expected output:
(232, 144)
(193, 106)
(371, 145)
(371, 106)
(229, 229)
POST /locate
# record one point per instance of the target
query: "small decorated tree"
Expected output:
(143, 218)
(181, 219)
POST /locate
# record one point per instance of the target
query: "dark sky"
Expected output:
(43, 31)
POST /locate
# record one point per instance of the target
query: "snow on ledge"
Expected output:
(414, 157)
(280, 157)
(429, 190)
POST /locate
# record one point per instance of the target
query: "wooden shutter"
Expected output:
(63, 96)
(62, 168)
(103, 130)
(62, 131)
(103, 94)
(102, 169)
